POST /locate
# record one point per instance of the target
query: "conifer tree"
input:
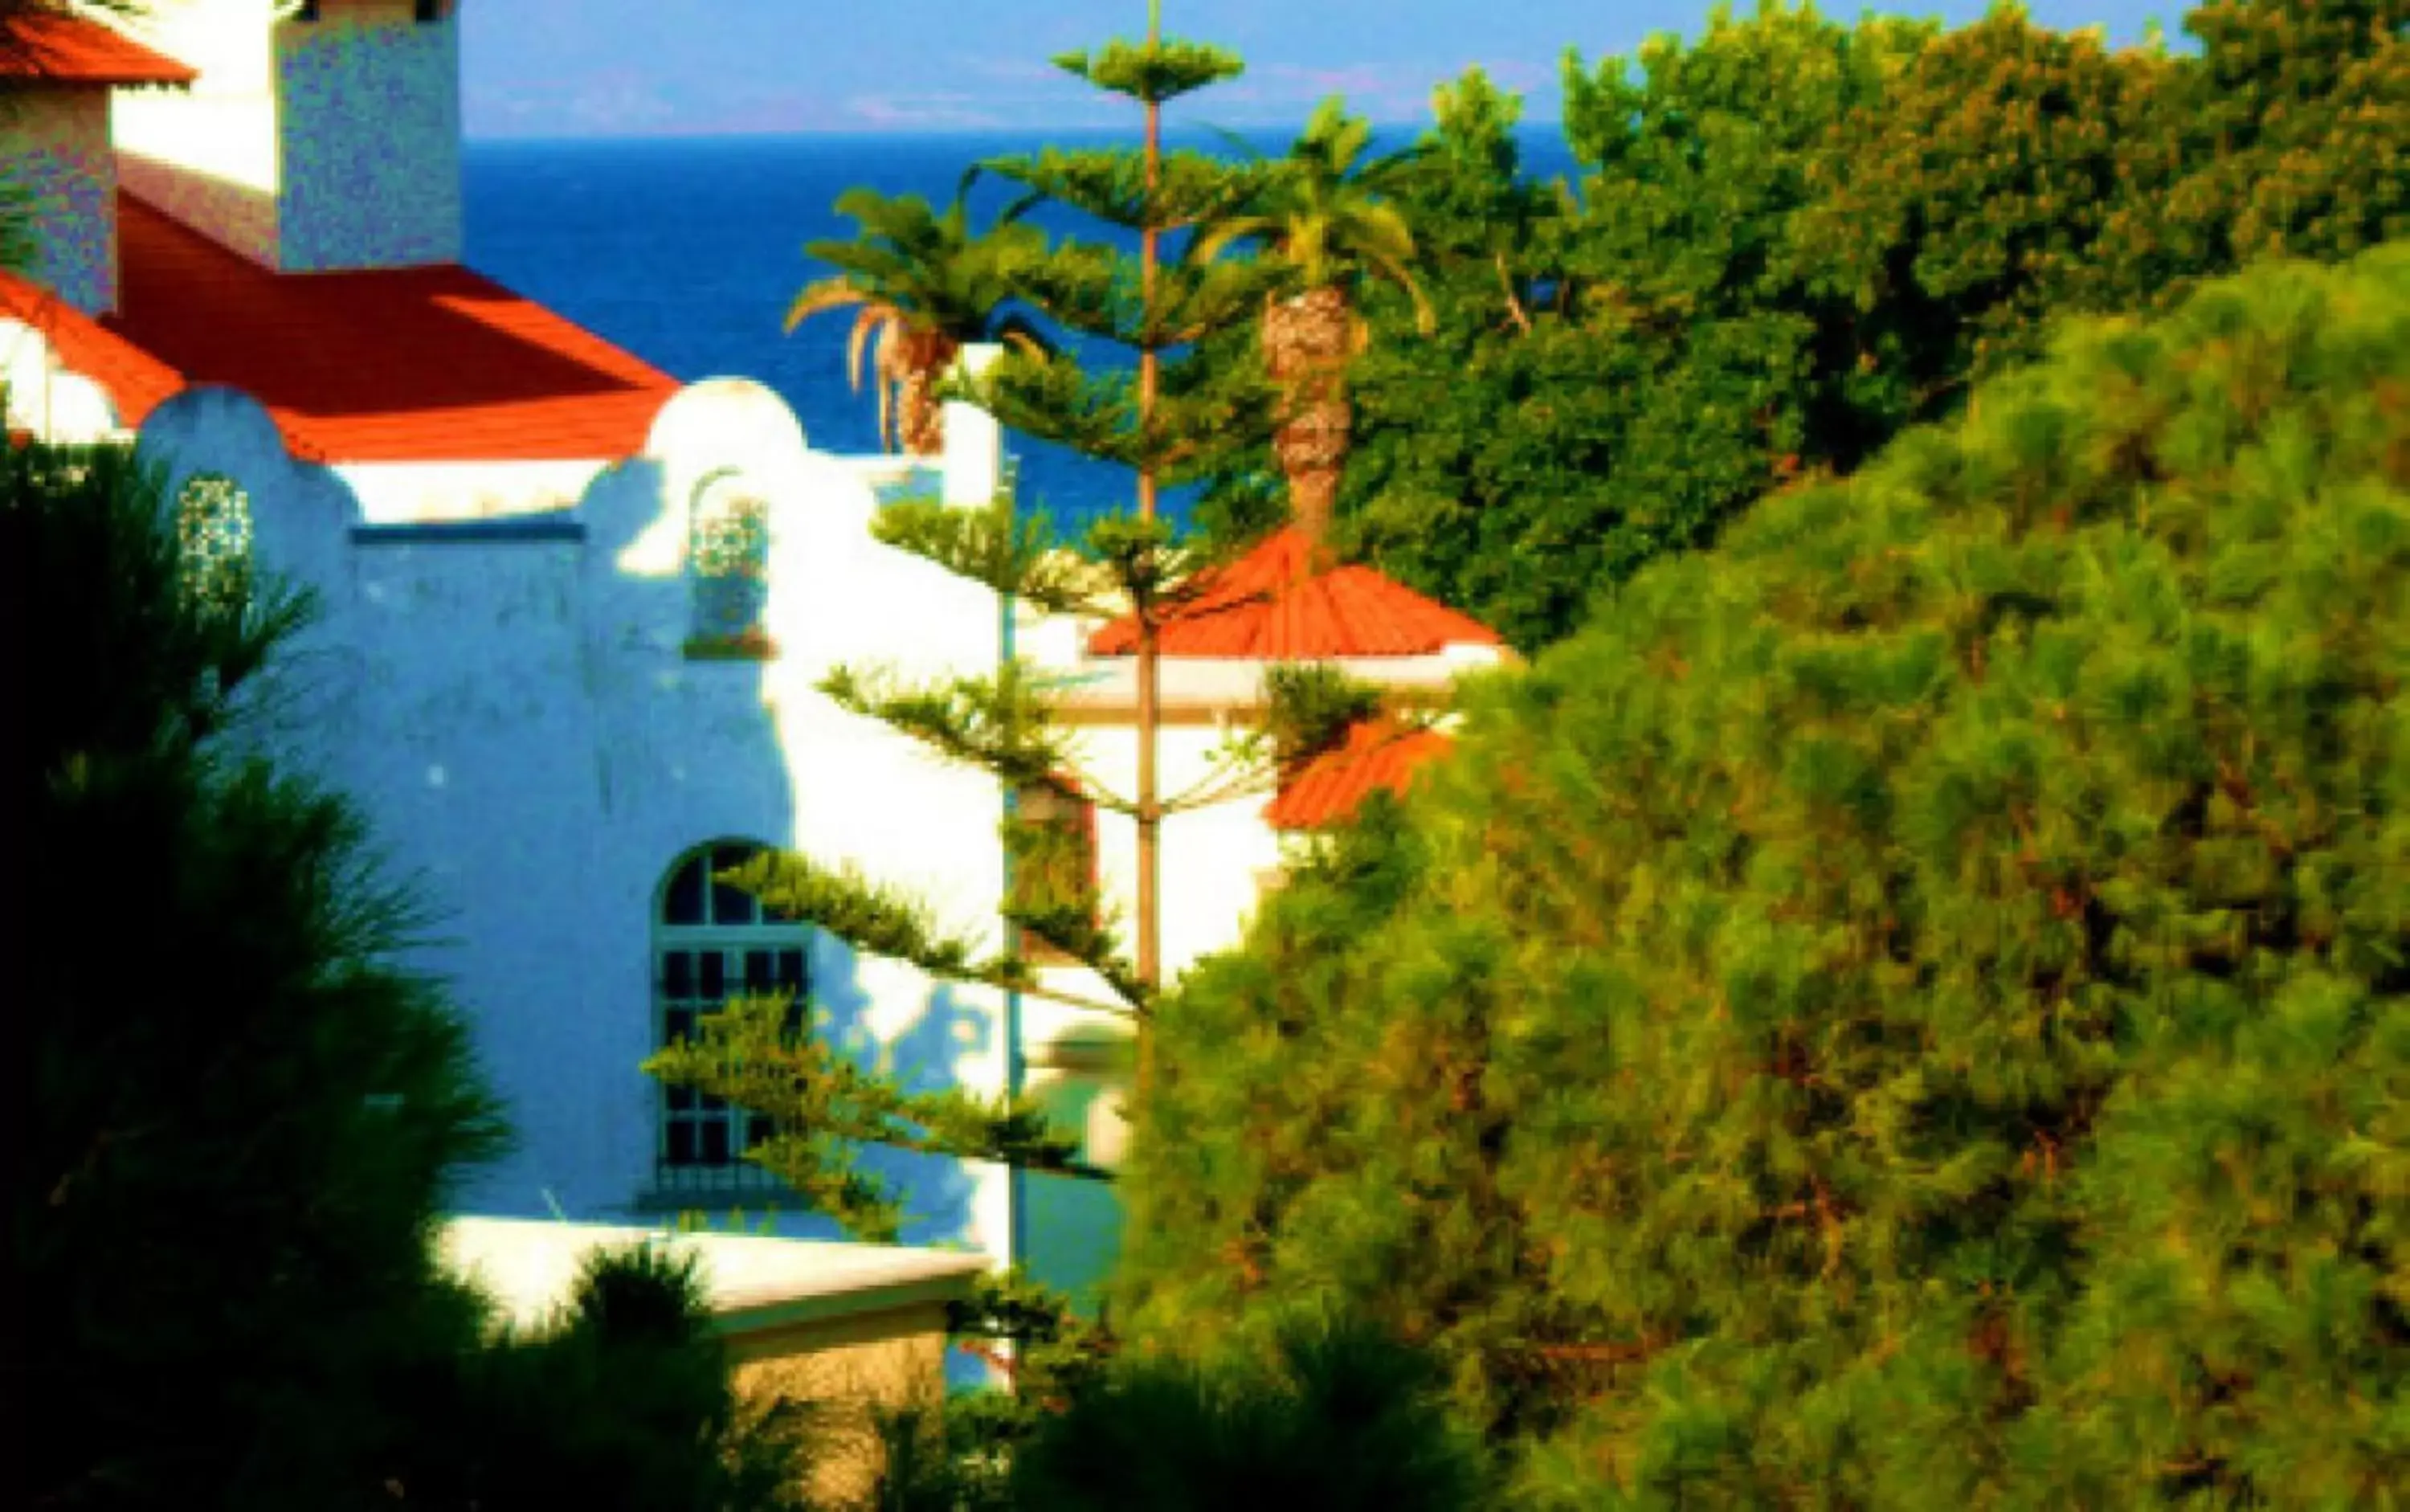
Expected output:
(241, 1113)
(236, 1136)
(1907, 1010)
(1174, 418)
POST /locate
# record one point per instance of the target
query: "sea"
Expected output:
(687, 251)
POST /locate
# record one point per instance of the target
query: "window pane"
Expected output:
(730, 906)
(715, 1143)
(757, 1132)
(681, 1146)
(676, 1024)
(790, 973)
(714, 985)
(715, 1105)
(681, 1100)
(758, 975)
(684, 904)
(677, 974)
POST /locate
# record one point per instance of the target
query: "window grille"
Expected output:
(213, 539)
(729, 561)
(712, 942)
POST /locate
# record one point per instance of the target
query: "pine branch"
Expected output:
(1312, 707)
(869, 915)
(885, 921)
(1003, 723)
(1195, 426)
(1003, 549)
(1111, 185)
(1242, 764)
(1095, 289)
(1153, 71)
(757, 1054)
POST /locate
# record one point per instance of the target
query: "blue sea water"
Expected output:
(686, 253)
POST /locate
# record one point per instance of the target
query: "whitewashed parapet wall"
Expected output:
(508, 701)
(305, 146)
(45, 396)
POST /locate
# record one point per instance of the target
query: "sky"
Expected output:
(618, 69)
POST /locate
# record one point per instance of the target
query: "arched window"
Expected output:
(712, 942)
(213, 534)
(729, 561)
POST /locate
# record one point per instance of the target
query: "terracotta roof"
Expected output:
(420, 364)
(134, 379)
(71, 50)
(1257, 607)
(1379, 754)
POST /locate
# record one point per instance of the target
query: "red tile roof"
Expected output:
(420, 364)
(1259, 608)
(1380, 754)
(71, 50)
(134, 379)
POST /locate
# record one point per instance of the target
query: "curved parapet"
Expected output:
(302, 512)
(294, 520)
(716, 425)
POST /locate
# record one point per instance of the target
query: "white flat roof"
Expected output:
(530, 1265)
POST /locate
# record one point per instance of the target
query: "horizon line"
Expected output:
(856, 132)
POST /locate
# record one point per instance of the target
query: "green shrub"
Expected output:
(1339, 1417)
(1907, 1009)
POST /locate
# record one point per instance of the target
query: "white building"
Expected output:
(525, 673)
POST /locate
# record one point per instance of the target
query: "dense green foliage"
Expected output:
(239, 1111)
(1909, 1007)
(1792, 237)
(1338, 1417)
(242, 1117)
(624, 1404)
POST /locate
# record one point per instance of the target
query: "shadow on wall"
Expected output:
(513, 705)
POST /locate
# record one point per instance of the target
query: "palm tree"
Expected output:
(923, 286)
(1322, 212)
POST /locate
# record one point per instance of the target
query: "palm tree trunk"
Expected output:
(921, 415)
(1307, 341)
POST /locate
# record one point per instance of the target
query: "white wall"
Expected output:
(394, 492)
(55, 143)
(208, 154)
(509, 702)
(48, 398)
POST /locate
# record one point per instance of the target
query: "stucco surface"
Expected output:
(846, 1369)
(55, 142)
(369, 138)
(512, 705)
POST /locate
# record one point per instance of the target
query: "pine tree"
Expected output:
(241, 1114)
(1908, 1007)
(1184, 412)
(1172, 419)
